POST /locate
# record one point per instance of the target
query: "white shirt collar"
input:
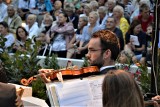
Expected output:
(102, 68)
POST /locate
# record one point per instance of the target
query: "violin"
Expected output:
(71, 71)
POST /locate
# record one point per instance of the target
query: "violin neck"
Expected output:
(52, 71)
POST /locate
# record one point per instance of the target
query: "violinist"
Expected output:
(103, 50)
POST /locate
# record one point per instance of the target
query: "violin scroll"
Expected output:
(26, 82)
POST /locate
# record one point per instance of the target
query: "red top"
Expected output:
(146, 23)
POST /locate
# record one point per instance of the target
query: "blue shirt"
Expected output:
(86, 35)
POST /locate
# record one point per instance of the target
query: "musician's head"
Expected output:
(121, 90)
(103, 48)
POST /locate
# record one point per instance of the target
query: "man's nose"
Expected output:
(87, 55)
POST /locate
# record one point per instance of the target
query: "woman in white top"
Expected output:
(32, 26)
(4, 31)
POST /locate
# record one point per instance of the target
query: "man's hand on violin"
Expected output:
(45, 78)
(155, 102)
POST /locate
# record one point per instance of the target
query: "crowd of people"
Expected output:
(64, 27)
(101, 30)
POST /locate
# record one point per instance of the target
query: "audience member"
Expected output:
(87, 33)
(21, 38)
(45, 31)
(76, 3)
(121, 22)
(24, 7)
(136, 10)
(32, 26)
(57, 9)
(62, 33)
(110, 4)
(87, 9)
(4, 31)
(102, 16)
(74, 43)
(12, 19)
(3, 10)
(139, 46)
(40, 10)
(144, 16)
(73, 17)
(101, 2)
(111, 25)
(119, 89)
(94, 5)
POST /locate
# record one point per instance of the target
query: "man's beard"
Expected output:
(99, 63)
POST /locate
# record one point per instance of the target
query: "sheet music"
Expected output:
(74, 93)
(78, 93)
(96, 88)
(135, 40)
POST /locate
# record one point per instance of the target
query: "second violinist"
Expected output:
(103, 50)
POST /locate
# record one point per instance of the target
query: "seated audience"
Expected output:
(12, 19)
(111, 25)
(57, 9)
(144, 17)
(102, 16)
(45, 31)
(32, 26)
(87, 33)
(110, 4)
(73, 17)
(24, 7)
(74, 43)
(62, 33)
(76, 3)
(4, 31)
(21, 38)
(137, 46)
(3, 11)
(121, 22)
(94, 5)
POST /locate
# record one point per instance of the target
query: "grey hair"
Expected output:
(32, 16)
(70, 7)
(48, 16)
(119, 8)
(11, 6)
(84, 18)
(94, 3)
(113, 1)
(95, 14)
(102, 9)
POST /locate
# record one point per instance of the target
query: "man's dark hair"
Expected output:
(109, 41)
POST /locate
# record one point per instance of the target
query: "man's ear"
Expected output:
(107, 54)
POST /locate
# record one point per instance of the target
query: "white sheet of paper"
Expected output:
(77, 93)
(135, 40)
(74, 93)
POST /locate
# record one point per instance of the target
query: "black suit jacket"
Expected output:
(7, 95)
(106, 70)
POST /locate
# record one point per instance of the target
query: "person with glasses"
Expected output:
(103, 50)
(144, 17)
